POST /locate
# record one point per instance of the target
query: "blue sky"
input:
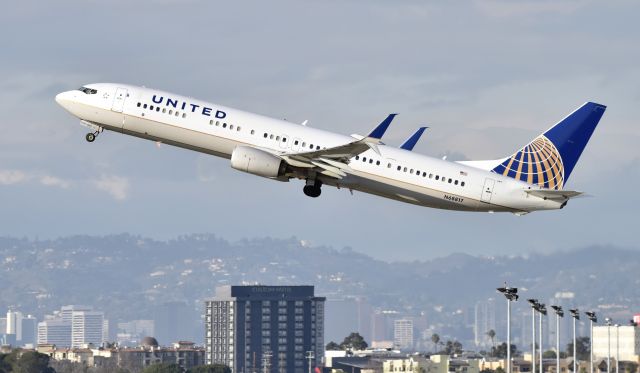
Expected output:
(486, 76)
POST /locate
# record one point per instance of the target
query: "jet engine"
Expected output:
(257, 162)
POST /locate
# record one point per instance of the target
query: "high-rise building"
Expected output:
(277, 329)
(87, 327)
(54, 331)
(346, 315)
(14, 324)
(172, 322)
(403, 334)
(485, 320)
(29, 330)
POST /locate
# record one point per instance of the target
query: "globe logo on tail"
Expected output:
(537, 163)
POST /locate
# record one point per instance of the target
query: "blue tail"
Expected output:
(549, 159)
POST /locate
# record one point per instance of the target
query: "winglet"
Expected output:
(413, 140)
(379, 131)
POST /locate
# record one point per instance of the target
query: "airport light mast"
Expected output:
(542, 311)
(592, 318)
(576, 316)
(559, 313)
(512, 295)
(534, 307)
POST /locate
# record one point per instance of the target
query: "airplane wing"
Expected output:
(558, 195)
(334, 161)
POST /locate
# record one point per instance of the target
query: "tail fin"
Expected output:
(549, 159)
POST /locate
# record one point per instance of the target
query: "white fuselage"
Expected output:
(217, 130)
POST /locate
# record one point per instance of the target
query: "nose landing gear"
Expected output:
(312, 189)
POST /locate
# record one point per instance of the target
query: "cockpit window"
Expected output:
(88, 91)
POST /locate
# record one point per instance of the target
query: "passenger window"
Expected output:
(405, 169)
(310, 146)
(399, 168)
(138, 104)
(164, 110)
(377, 163)
(184, 115)
(437, 177)
(271, 137)
(456, 182)
(277, 138)
(231, 126)
(177, 113)
(388, 165)
(450, 181)
(252, 132)
(462, 183)
(295, 142)
(144, 106)
(430, 176)
(158, 109)
(151, 107)
(284, 139)
(411, 171)
(417, 172)
(424, 174)
(364, 159)
(304, 144)
(357, 157)
(317, 147)
(211, 122)
(238, 128)
(170, 112)
(224, 125)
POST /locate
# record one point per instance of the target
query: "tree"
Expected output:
(163, 368)
(501, 350)
(549, 354)
(31, 361)
(435, 338)
(354, 341)
(583, 348)
(453, 347)
(332, 346)
(213, 368)
(492, 335)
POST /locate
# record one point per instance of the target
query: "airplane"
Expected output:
(531, 179)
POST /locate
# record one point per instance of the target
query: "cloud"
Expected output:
(48, 180)
(9, 177)
(116, 186)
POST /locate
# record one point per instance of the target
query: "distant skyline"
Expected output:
(485, 76)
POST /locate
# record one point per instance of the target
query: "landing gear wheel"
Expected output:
(312, 191)
(91, 137)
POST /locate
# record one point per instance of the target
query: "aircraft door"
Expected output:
(119, 99)
(487, 191)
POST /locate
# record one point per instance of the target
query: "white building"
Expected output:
(14, 324)
(87, 327)
(403, 334)
(605, 341)
(54, 331)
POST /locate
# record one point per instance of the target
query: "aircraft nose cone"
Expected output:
(65, 99)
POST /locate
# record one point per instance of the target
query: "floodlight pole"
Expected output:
(533, 339)
(540, 338)
(617, 348)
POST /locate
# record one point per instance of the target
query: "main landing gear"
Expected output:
(312, 189)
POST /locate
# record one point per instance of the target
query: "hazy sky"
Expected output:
(486, 76)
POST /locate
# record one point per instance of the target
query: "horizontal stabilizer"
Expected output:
(556, 195)
(379, 131)
(413, 140)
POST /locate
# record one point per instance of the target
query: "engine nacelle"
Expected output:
(257, 162)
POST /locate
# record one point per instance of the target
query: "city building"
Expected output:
(403, 334)
(73, 326)
(54, 331)
(605, 341)
(87, 327)
(345, 315)
(183, 353)
(29, 331)
(485, 320)
(276, 329)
